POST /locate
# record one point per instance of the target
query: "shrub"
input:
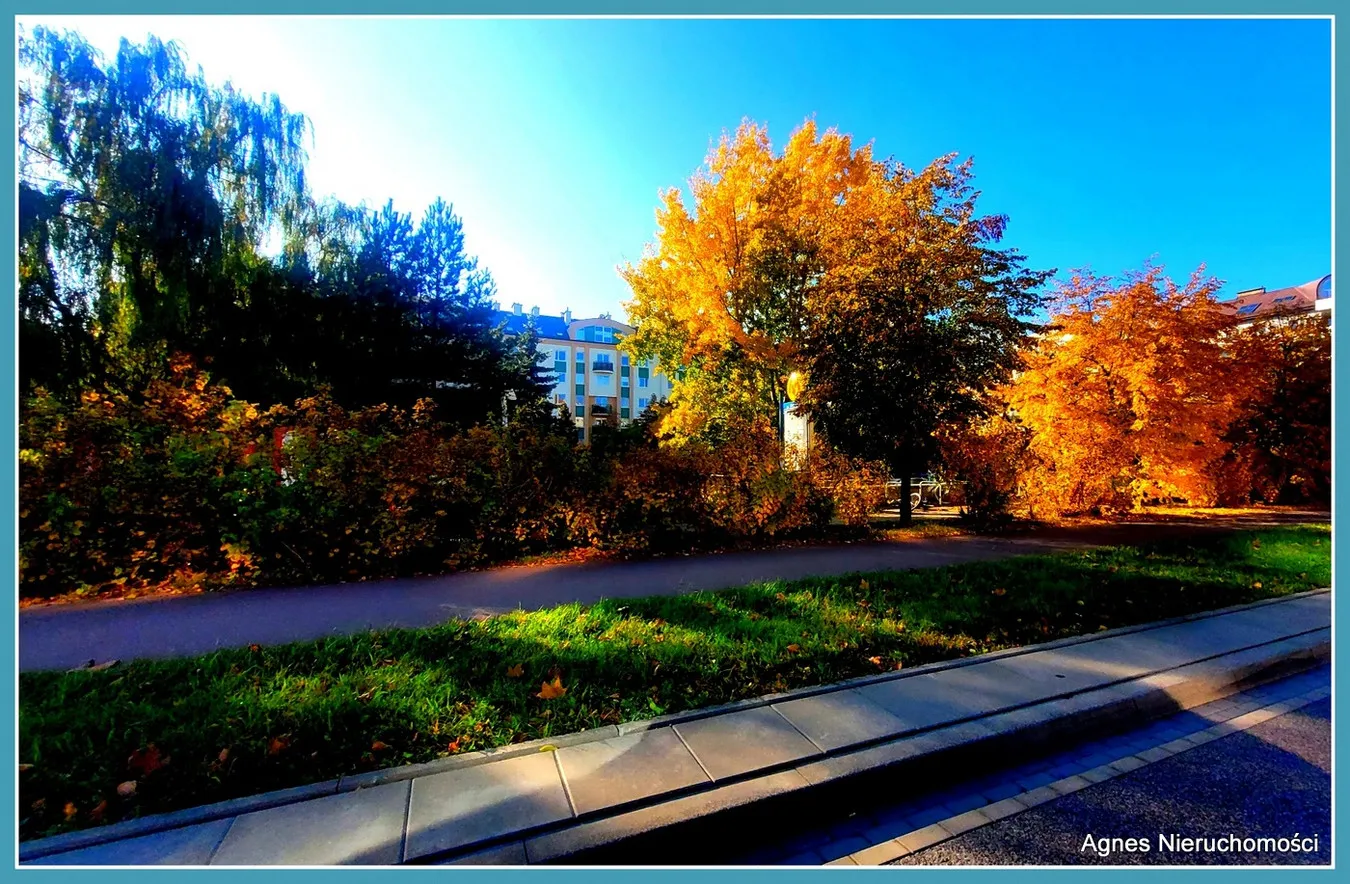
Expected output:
(132, 492)
(185, 486)
(988, 457)
(855, 488)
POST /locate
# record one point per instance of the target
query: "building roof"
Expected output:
(1261, 304)
(546, 326)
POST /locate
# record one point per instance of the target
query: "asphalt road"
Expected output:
(1271, 781)
(67, 636)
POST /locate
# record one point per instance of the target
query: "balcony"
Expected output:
(603, 365)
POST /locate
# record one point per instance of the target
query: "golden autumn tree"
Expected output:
(1128, 394)
(725, 291)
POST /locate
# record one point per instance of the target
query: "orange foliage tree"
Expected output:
(1128, 395)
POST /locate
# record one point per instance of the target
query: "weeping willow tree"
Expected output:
(143, 193)
(161, 214)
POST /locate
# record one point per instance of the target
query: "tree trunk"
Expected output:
(906, 507)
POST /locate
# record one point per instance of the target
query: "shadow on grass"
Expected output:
(241, 722)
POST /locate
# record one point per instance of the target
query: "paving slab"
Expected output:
(462, 807)
(1294, 615)
(188, 846)
(1224, 635)
(842, 718)
(364, 827)
(934, 698)
(617, 771)
(552, 846)
(739, 742)
(1061, 671)
(1128, 656)
(905, 749)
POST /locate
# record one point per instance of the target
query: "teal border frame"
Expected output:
(711, 8)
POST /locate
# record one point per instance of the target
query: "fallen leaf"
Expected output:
(379, 746)
(96, 814)
(147, 760)
(875, 661)
(792, 649)
(39, 805)
(548, 748)
(71, 810)
(515, 671)
(863, 584)
(551, 690)
(899, 665)
(1000, 591)
(1256, 585)
(1256, 543)
(25, 767)
(255, 648)
(453, 745)
(279, 744)
(224, 755)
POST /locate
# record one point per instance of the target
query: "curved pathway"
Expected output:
(67, 636)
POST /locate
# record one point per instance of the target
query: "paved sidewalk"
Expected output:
(1260, 795)
(67, 636)
(1201, 798)
(550, 803)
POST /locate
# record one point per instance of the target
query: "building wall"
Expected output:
(594, 380)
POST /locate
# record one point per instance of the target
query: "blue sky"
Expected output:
(1106, 142)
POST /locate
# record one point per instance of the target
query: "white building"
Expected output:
(591, 377)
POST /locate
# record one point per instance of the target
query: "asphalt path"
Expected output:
(68, 636)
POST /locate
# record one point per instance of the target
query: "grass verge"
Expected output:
(153, 736)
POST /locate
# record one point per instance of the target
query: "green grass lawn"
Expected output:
(199, 730)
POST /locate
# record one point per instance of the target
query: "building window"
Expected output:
(581, 391)
(581, 410)
(559, 355)
(623, 360)
(598, 334)
(642, 381)
(642, 405)
(581, 434)
(624, 413)
(623, 382)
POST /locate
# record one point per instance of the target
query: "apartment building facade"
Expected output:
(596, 382)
